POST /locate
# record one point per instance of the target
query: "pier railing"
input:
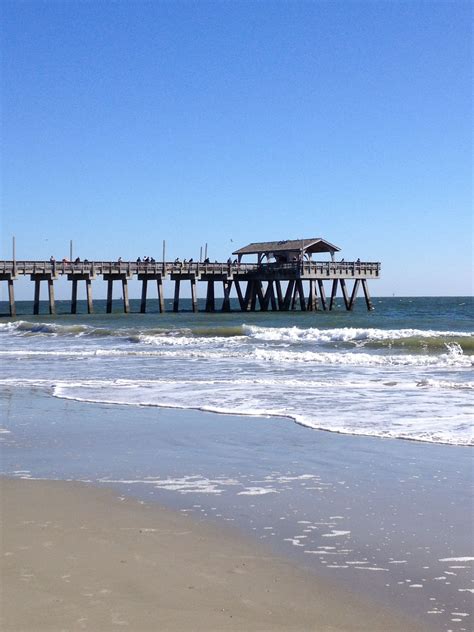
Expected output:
(326, 269)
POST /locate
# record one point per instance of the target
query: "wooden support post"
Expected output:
(253, 296)
(37, 297)
(176, 295)
(74, 297)
(293, 298)
(270, 297)
(279, 295)
(240, 295)
(226, 302)
(310, 306)
(11, 298)
(344, 292)
(333, 294)
(144, 293)
(265, 300)
(261, 299)
(313, 297)
(248, 295)
(322, 294)
(110, 286)
(126, 303)
(210, 300)
(90, 304)
(161, 298)
(300, 289)
(273, 301)
(368, 301)
(354, 294)
(288, 295)
(52, 306)
(193, 295)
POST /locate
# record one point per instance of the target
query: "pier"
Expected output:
(284, 278)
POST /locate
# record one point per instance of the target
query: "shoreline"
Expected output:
(76, 556)
(338, 508)
(266, 415)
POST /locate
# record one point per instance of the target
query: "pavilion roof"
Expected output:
(315, 244)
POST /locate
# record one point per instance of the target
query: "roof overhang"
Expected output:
(317, 244)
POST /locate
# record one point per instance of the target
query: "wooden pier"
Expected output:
(277, 281)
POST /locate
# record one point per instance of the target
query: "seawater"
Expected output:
(402, 371)
(88, 398)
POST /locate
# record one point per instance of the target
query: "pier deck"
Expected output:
(275, 286)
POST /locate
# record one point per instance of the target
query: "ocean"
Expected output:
(339, 439)
(402, 371)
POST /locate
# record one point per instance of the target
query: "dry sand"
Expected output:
(75, 557)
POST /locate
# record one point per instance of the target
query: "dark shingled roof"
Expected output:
(316, 244)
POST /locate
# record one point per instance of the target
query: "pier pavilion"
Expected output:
(288, 250)
(276, 281)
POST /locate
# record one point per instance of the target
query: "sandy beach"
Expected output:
(75, 557)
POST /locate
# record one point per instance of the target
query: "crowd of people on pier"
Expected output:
(53, 262)
(146, 260)
(178, 262)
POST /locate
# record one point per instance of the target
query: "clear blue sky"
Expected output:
(126, 123)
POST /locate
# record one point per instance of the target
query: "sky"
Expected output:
(127, 123)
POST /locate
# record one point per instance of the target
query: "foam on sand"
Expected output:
(119, 550)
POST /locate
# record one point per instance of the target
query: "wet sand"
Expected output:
(75, 557)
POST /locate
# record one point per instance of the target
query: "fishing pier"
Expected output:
(285, 277)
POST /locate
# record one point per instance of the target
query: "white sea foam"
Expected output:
(336, 566)
(408, 416)
(256, 491)
(182, 485)
(72, 353)
(334, 358)
(344, 334)
(186, 350)
(335, 534)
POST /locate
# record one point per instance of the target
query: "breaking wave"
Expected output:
(452, 358)
(415, 338)
(269, 334)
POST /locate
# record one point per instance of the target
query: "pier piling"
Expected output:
(322, 294)
(143, 301)
(210, 299)
(176, 295)
(193, 294)
(11, 298)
